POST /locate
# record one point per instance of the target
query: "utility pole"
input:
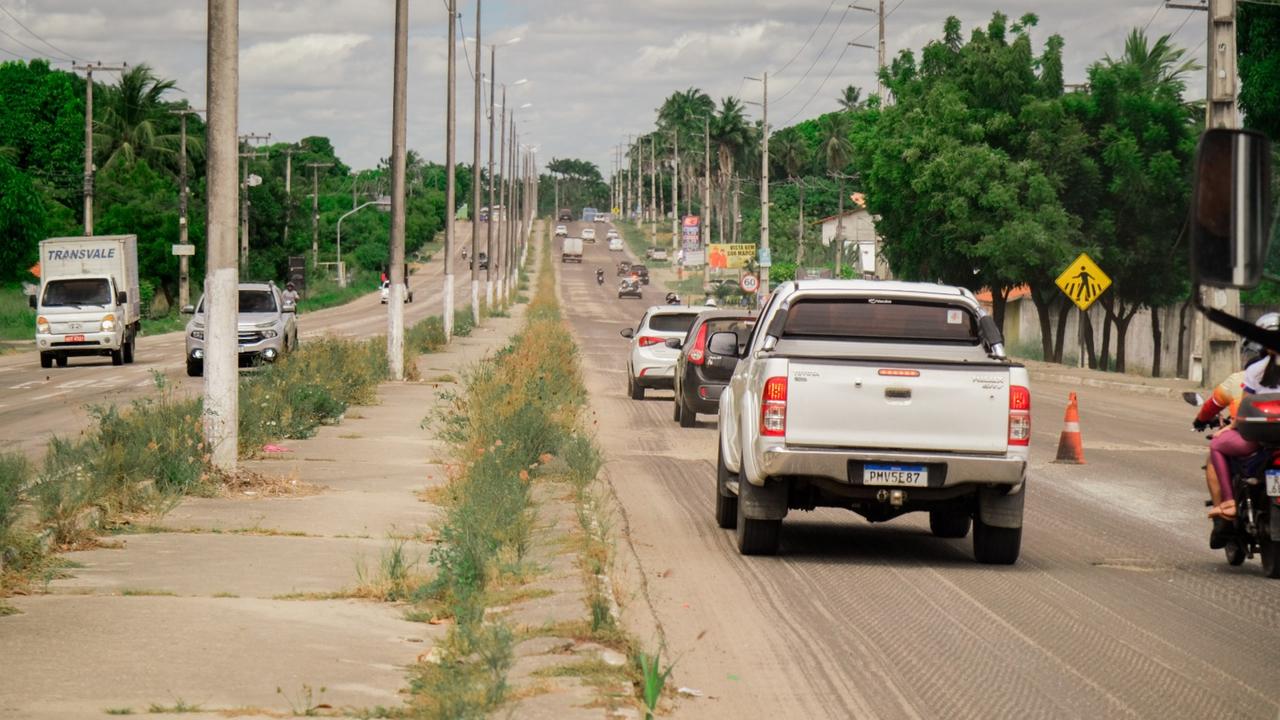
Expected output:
(451, 186)
(395, 299)
(675, 189)
(315, 210)
(493, 217)
(88, 136)
(288, 191)
(879, 47)
(475, 182)
(705, 220)
(653, 189)
(764, 185)
(184, 195)
(244, 194)
(504, 199)
(221, 366)
(1217, 345)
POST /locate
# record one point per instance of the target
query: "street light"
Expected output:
(383, 202)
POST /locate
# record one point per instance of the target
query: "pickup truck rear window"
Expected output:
(672, 322)
(881, 319)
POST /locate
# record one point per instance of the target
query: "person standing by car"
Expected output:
(290, 295)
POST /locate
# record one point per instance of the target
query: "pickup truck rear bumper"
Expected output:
(834, 464)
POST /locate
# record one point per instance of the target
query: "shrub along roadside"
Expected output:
(144, 457)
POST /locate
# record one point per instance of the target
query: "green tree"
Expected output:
(791, 155)
(851, 99)
(836, 150)
(1258, 44)
(22, 222)
(131, 121)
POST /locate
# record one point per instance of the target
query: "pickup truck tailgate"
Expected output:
(951, 408)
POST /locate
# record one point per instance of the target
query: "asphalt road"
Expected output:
(1117, 607)
(36, 404)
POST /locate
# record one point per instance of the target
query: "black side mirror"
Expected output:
(31, 300)
(627, 333)
(122, 297)
(724, 344)
(991, 334)
(675, 343)
(1231, 208)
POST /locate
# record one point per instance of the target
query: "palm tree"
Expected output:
(1159, 64)
(130, 124)
(791, 153)
(850, 98)
(731, 134)
(836, 149)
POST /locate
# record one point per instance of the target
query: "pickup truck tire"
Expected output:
(949, 523)
(675, 408)
(127, 351)
(757, 537)
(195, 368)
(726, 502)
(46, 360)
(117, 356)
(995, 545)
(61, 360)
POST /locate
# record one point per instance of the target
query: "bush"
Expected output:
(15, 473)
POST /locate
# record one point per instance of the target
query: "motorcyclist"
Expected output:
(290, 294)
(1261, 374)
(673, 299)
(599, 276)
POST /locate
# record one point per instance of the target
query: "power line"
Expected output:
(1159, 7)
(1184, 23)
(822, 52)
(809, 39)
(820, 86)
(39, 53)
(33, 33)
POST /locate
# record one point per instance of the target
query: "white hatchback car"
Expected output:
(562, 231)
(615, 244)
(651, 364)
(589, 234)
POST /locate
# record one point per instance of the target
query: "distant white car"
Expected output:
(386, 292)
(589, 234)
(603, 217)
(615, 244)
(658, 254)
(562, 231)
(613, 233)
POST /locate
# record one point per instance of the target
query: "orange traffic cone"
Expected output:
(1070, 446)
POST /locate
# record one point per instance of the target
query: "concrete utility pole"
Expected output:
(288, 190)
(879, 47)
(675, 189)
(475, 181)
(512, 239)
(244, 194)
(395, 299)
(221, 369)
(315, 210)
(184, 195)
(764, 184)
(88, 136)
(451, 191)
(493, 216)
(705, 220)
(653, 189)
(503, 200)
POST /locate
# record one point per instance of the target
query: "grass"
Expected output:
(17, 319)
(118, 711)
(146, 592)
(179, 706)
(323, 290)
(654, 677)
(637, 238)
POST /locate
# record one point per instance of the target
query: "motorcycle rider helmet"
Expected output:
(1250, 351)
(711, 302)
(673, 299)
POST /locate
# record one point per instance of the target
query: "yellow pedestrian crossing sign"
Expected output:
(1083, 281)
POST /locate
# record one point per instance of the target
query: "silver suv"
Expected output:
(267, 326)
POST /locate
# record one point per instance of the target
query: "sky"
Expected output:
(596, 70)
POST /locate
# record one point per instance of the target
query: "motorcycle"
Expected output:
(1255, 484)
(599, 277)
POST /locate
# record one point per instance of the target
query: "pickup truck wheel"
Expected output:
(46, 360)
(127, 350)
(61, 360)
(948, 523)
(1269, 550)
(757, 537)
(195, 368)
(675, 409)
(117, 357)
(726, 502)
(995, 545)
(688, 418)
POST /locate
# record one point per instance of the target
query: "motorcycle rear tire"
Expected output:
(1234, 552)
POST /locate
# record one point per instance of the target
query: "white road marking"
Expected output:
(51, 395)
(73, 384)
(27, 384)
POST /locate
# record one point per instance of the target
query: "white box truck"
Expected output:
(572, 251)
(89, 302)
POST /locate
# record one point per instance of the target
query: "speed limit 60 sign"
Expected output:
(749, 283)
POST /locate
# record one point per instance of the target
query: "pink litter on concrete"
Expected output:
(275, 449)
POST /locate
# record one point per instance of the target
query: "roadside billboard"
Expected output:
(730, 256)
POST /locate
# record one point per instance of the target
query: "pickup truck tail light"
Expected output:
(698, 354)
(1019, 416)
(773, 408)
(647, 340)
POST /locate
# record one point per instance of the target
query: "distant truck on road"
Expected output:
(572, 250)
(588, 214)
(89, 302)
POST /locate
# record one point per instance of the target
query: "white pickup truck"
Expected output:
(880, 397)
